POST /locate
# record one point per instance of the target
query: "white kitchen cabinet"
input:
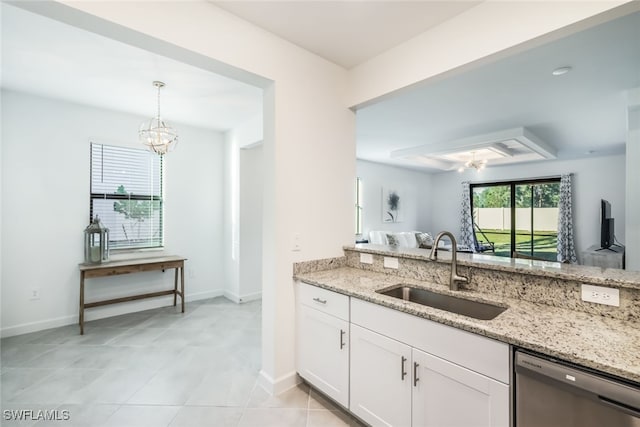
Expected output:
(475, 352)
(430, 391)
(391, 368)
(393, 384)
(323, 342)
(448, 395)
(380, 379)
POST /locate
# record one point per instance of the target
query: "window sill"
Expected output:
(124, 254)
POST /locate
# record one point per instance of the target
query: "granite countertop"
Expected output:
(593, 275)
(605, 344)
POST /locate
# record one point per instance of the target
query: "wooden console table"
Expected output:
(114, 268)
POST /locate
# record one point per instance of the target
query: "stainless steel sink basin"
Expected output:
(465, 307)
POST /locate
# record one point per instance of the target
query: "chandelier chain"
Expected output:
(158, 86)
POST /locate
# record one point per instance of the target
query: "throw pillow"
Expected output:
(392, 240)
(424, 240)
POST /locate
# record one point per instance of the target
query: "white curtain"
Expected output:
(566, 247)
(466, 218)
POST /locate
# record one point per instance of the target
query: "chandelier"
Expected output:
(157, 134)
(473, 163)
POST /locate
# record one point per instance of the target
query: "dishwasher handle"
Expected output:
(608, 391)
(620, 406)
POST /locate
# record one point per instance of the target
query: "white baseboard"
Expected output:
(282, 384)
(238, 299)
(203, 295)
(102, 312)
(231, 296)
(251, 297)
(40, 325)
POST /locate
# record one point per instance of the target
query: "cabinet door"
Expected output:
(448, 395)
(380, 379)
(323, 352)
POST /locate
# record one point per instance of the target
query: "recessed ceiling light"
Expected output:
(561, 70)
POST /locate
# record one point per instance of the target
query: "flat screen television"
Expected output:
(606, 225)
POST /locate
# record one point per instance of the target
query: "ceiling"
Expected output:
(579, 114)
(346, 32)
(64, 62)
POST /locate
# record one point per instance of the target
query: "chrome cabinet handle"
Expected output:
(341, 340)
(321, 301)
(415, 374)
(403, 373)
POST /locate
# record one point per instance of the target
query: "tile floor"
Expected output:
(155, 368)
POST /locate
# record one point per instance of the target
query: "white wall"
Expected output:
(1, 174)
(415, 197)
(594, 179)
(486, 32)
(45, 191)
(248, 134)
(308, 131)
(633, 179)
(231, 215)
(251, 189)
(243, 194)
(309, 134)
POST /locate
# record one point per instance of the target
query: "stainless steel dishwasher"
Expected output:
(551, 393)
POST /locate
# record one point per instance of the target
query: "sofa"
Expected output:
(404, 239)
(409, 239)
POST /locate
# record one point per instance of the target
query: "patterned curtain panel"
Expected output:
(466, 218)
(566, 247)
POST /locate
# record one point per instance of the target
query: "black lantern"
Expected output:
(96, 242)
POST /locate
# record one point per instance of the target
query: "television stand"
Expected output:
(612, 257)
(607, 249)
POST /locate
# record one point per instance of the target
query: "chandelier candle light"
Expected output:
(157, 134)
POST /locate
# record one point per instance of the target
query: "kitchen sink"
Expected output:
(465, 307)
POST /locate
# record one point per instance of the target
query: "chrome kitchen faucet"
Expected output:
(455, 278)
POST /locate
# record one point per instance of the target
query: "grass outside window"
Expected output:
(544, 242)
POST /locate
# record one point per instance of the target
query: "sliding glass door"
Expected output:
(536, 219)
(517, 218)
(491, 205)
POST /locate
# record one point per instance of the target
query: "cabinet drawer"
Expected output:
(326, 301)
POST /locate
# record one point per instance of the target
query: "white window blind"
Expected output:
(127, 195)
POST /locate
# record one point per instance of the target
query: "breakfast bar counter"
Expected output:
(544, 314)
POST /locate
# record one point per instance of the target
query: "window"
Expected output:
(358, 206)
(517, 218)
(127, 195)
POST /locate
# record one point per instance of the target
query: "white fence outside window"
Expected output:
(544, 219)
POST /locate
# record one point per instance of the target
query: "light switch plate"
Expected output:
(601, 295)
(390, 262)
(295, 242)
(366, 258)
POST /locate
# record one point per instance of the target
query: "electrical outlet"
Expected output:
(390, 262)
(366, 258)
(601, 295)
(35, 294)
(295, 243)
